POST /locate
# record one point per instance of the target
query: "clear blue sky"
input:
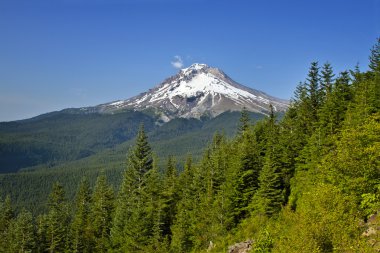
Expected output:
(56, 54)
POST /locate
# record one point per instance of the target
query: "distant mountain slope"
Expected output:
(194, 92)
(58, 137)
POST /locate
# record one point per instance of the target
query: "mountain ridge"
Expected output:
(196, 91)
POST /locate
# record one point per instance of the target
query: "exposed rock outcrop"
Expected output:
(373, 231)
(241, 247)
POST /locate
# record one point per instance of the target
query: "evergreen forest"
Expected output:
(306, 182)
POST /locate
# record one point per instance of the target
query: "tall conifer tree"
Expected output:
(22, 238)
(314, 96)
(57, 220)
(327, 80)
(131, 230)
(170, 195)
(101, 211)
(270, 196)
(79, 236)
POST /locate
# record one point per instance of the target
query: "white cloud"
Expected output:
(177, 62)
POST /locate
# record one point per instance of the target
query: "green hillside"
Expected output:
(58, 137)
(177, 138)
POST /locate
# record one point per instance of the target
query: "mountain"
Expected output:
(196, 91)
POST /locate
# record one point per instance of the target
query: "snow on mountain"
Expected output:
(196, 91)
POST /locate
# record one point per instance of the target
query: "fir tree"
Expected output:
(141, 155)
(181, 233)
(80, 241)
(22, 235)
(170, 195)
(101, 211)
(155, 213)
(6, 214)
(327, 80)
(247, 175)
(131, 231)
(42, 236)
(374, 58)
(57, 220)
(313, 89)
(332, 112)
(269, 198)
(374, 65)
(243, 121)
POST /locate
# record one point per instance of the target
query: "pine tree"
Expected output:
(21, 237)
(131, 231)
(243, 121)
(155, 212)
(57, 220)
(327, 80)
(42, 235)
(101, 211)
(169, 195)
(6, 214)
(79, 236)
(247, 176)
(299, 111)
(374, 65)
(374, 58)
(313, 89)
(6, 224)
(181, 232)
(185, 178)
(333, 111)
(269, 198)
(141, 155)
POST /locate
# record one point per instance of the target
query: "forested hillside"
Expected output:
(306, 183)
(58, 137)
(30, 187)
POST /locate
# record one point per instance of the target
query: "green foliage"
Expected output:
(140, 158)
(21, 234)
(270, 196)
(327, 80)
(57, 220)
(243, 121)
(374, 58)
(139, 217)
(181, 234)
(6, 214)
(326, 220)
(79, 233)
(313, 88)
(101, 211)
(247, 176)
(169, 196)
(370, 202)
(264, 243)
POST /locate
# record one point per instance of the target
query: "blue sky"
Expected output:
(56, 54)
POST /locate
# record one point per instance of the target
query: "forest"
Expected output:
(308, 182)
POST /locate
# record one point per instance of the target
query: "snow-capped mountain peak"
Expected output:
(199, 90)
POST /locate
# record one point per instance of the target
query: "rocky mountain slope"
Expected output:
(196, 91)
